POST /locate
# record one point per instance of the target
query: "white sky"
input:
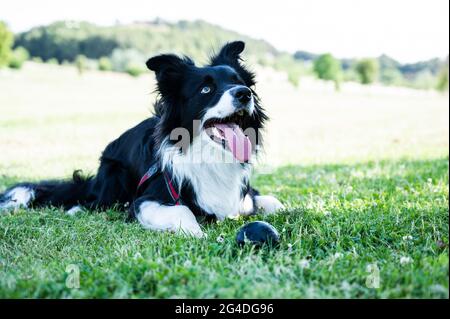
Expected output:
(408, 30)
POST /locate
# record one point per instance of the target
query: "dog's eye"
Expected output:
(237, 80)
(205, 90)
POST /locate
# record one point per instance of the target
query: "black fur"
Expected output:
(126, 159)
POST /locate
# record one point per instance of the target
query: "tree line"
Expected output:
(125, 48)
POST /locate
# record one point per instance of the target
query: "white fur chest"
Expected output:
(217, 188)
(217, 181)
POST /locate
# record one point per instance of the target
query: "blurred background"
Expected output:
(343, 81)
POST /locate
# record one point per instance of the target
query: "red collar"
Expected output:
(153, 171)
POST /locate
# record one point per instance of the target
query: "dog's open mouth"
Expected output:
(228, 133)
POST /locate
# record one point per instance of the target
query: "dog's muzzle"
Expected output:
(242, 97)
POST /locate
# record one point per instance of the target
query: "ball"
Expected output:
(258, 233)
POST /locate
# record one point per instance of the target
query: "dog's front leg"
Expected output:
(254, 203)
(178, 219)
(267, 204)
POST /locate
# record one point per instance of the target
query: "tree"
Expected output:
(18, 57)
(328, 68)
(52, 61)
(104, 64)
(424, 80)
(367, 70)
(391, 76)
(80, 63)
(442, 82)
(128, 59)
(6, 42)
(134, 69)
(293, 68)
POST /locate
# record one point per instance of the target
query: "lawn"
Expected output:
(366, 194)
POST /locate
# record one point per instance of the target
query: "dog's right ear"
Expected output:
(164, 62)
(169, 70)
(167, 63)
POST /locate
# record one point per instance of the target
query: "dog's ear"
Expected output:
(167, 64)
(230, 53)
(169, 70)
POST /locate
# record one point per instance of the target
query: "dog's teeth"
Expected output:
(216, 132)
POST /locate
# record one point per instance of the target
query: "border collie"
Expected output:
(192, 158)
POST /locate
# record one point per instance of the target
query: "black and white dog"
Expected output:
(192, 158)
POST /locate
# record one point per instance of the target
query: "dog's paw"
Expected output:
(186, 224)
(18, 197)
(192, 230)
(268, 204)
(74, 210)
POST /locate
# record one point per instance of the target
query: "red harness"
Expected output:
(152, 171)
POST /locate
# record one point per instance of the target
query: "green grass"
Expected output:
(340, 219)
(384, 201)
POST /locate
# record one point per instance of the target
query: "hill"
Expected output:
(65, 40)
(127, 46)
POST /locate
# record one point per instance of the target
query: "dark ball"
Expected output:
(258, 233)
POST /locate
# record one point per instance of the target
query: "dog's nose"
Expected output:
(243, 94)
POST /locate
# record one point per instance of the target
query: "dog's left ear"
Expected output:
(230, 53)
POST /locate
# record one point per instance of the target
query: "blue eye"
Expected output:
(205, 90)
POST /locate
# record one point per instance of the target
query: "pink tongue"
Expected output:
(239, 144)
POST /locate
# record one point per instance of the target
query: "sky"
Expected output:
(407, 30)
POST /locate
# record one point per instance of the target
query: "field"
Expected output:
(363, 173)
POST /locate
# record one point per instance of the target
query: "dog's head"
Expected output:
(216, 103)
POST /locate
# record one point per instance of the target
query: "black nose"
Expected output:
(243, 94)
